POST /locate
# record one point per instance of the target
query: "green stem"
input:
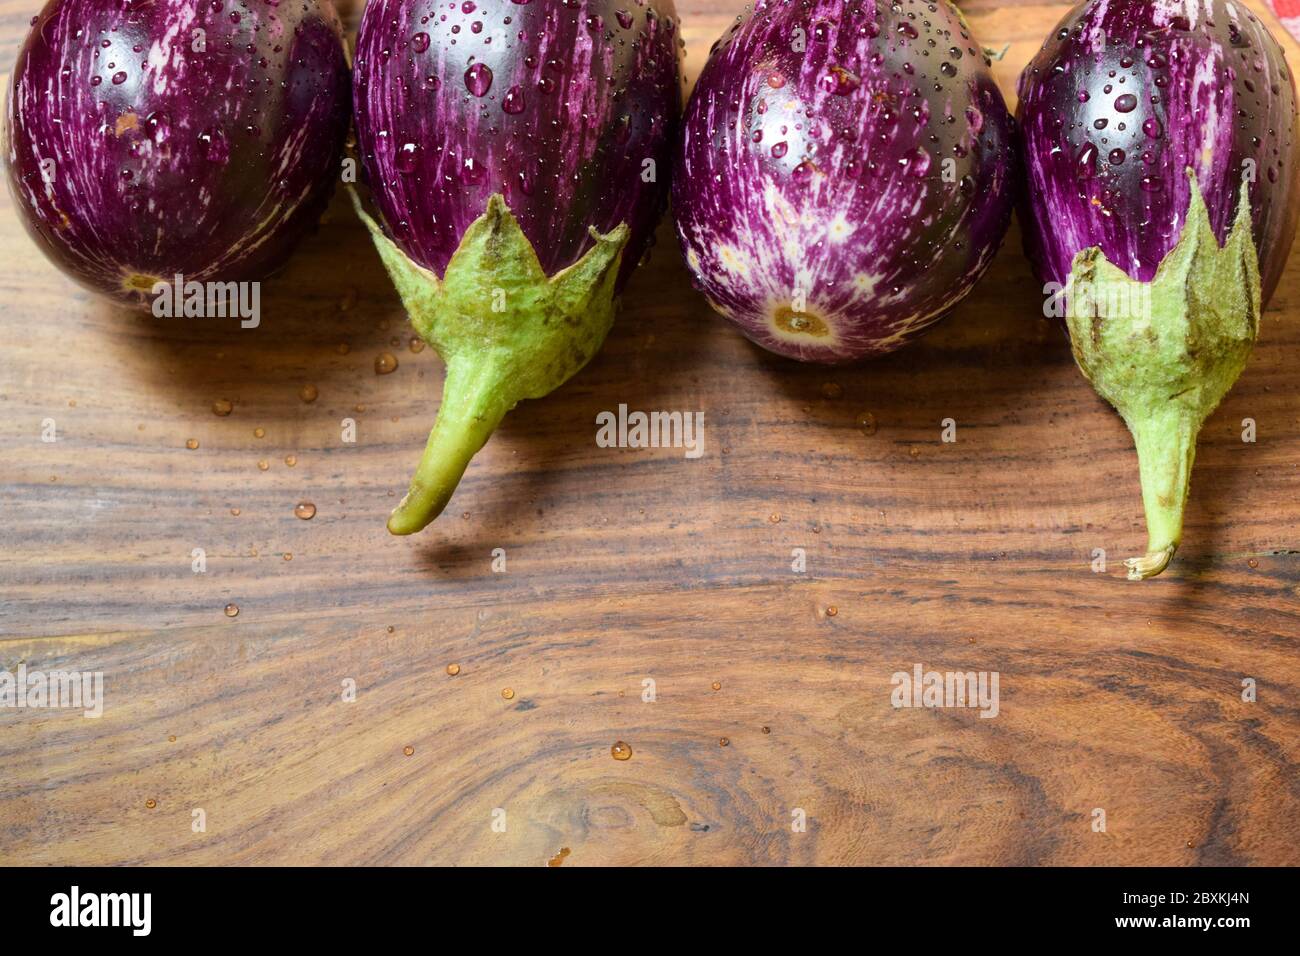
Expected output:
(472, 407)
(1166, 447)
(506, 330)
(1165, 352)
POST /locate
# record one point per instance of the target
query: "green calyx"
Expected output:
(505, 330)
(1165, 352)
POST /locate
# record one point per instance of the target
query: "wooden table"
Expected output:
(771, 688)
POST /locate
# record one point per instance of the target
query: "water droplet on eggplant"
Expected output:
(478, 79)
(513, 101)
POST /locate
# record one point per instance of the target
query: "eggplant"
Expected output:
(1160, 204)
(845, 174)
(191, 137)
(517, 155)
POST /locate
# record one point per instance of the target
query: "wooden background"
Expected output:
(624, 565)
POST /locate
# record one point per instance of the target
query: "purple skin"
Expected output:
(553, 105)
(1195, 86)
(870, 174)
(134, 157)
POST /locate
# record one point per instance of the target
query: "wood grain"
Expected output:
(624, 566)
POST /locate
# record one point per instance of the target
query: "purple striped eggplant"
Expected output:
(845, 174)
(1159, 140)
(192, 137)
(517, 154)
